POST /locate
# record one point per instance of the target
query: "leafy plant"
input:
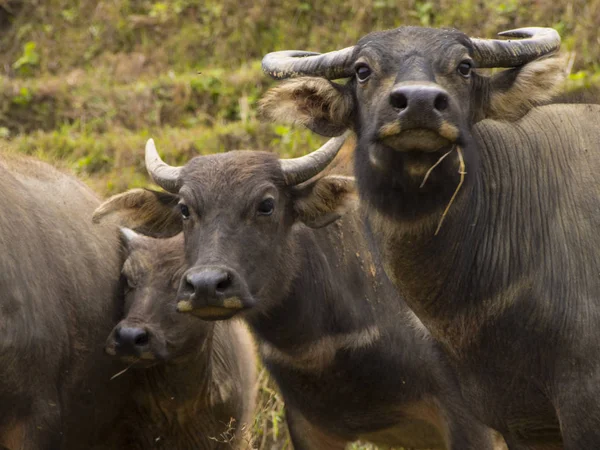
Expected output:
(23, 97)
(29, 60)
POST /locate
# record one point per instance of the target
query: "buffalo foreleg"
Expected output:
(307, 436)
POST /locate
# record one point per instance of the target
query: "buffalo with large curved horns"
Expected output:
(295, 170)
(534, 43)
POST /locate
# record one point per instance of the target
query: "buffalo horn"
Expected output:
(295, 63)
(165, 176)
(535, 42)
(298, 170)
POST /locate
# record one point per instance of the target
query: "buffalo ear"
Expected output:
(321, 105)
(148, 212)
(515, 91)
(321, 202)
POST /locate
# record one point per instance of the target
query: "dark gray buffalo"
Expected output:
(195, 381)
(60, 296)
(497, 247)
(349, 357)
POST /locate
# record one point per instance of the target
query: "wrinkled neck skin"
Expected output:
(403, 218)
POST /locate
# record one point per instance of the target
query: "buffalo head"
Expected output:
(236, 211)
(412, 96)
(152, 330)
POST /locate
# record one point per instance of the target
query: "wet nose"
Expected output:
(131, 340)
(208, 283)
(410, 99)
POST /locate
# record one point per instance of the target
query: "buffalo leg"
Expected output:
(473, 437)
(306, 436)
(511, 444)
(467, 433)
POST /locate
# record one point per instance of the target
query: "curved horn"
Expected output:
(165, 176)
(295, 63)
(536, 42)
(298, 170)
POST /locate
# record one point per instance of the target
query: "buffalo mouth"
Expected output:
(420, 137)
(227, 310)
(420, 143)
(139, 363)
(142, 360)
(417, 140)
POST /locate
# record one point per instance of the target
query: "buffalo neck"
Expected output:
(328, 294)
(178, 403)
(499, 231)
(182, 382)
(433, 269)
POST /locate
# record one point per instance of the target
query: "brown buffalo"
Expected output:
(485, 208)
(263, 242)
(60, 295)
(195, 381)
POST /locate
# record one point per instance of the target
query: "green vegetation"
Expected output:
(84, 83)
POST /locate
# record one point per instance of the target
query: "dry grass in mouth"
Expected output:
(118, 374)
(434, 166)
(461, 171)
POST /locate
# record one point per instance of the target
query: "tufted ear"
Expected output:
(515, 91)
(321, 202)
(321, 105)
(148, 212)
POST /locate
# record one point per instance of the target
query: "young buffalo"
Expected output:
(195, 381)
(486, 210)
(350, 359)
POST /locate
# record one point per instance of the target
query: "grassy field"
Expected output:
(84, 83)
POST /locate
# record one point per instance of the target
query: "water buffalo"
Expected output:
(486, 210)
(60, 295)
(350, 359)
(196, 381)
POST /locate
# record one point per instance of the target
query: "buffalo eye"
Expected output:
(266, 207)
(363, 72)
(464, 68)
(185, 211)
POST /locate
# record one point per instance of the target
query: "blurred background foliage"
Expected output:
(84, 83)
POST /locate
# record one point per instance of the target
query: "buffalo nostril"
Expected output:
(441, 102)
(208, 283)
(398, 100)
(188, 285)
(224, 284)
(118, 337)
(131, 337)
(141, 339)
